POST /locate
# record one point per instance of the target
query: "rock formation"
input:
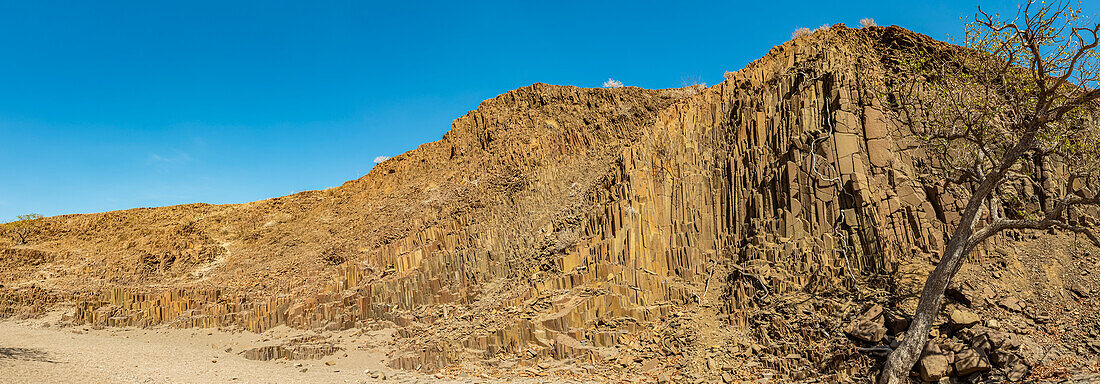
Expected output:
(725, 233)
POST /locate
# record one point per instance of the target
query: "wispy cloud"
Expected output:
(178, 157)
(380, 159)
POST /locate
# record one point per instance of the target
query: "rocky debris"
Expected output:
(972, 350)
(375, 374)
(969, 360)
(1012, 304)
(869, 326)
(21, 258)
(1079, 290)
(970, 294)
(934, 363)
(896, 321)
(295, 349)
(993, 323)
(707, 232)
(964, 293)
(962, 318)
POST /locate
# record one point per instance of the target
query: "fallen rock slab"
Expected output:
(970, 361)
(869, 326)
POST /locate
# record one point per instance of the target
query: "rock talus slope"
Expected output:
(731, 232)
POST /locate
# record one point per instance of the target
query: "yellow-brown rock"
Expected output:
(554, 221)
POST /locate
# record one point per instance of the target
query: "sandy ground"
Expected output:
(36, 351)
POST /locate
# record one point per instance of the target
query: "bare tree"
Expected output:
(20, 229)
(1009, 127)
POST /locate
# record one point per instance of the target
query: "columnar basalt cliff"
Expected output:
(732, 232)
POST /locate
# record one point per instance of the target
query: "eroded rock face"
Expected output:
(689, 230)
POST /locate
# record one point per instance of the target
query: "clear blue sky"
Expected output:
(113, 105)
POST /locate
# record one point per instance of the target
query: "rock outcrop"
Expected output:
(729, 232)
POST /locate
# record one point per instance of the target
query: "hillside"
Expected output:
(775, 225)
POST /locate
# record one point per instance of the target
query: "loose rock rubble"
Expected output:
(773, 227)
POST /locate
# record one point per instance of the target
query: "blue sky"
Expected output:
(114, 105)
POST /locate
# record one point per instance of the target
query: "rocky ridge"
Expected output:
(774, 226)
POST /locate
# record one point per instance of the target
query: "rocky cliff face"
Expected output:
(727, 232)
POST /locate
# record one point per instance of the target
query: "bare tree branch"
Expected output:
(996, 121)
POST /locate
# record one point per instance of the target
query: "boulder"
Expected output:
(1012, 304)
(964, 293)
(1003, 358)
(1079, 290)
(934, 366)
(869, 326)
(896, 322)
(952, 345)
(959, 319)
(870, 332)
(1017, 371)
(970, 361)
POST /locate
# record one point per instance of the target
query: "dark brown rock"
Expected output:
(896, 322)
(970, 361)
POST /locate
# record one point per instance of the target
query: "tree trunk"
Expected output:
(901, 361)
(898, 364)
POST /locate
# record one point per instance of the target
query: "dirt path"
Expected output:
(35, 351)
